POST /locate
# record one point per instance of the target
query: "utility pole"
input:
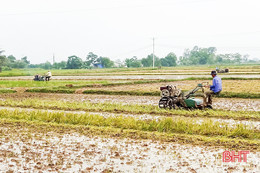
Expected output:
(53, 59)
(153, 52)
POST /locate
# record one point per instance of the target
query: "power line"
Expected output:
(225, 47)
(135, 50)
(153, 52)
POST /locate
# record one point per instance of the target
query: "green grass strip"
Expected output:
(50, 90)
(52, 83)
(239, 95)
(5, 91)
(167, 125)
(128, 108)
(137, 93)
(157, 93)
(133, 93)
(155, 81)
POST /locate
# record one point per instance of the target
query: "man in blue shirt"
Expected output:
(215, 89)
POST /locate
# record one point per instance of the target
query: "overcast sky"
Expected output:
(121, 29)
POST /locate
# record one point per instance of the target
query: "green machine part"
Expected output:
(193, 103)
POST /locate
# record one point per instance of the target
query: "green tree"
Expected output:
(106, 62)
(245, 58)
(20, 64)
(231, 58)
(3, 60)
(184, 60)
(148, 61)
(47, 65)
(24, 59)
(59, 65)
(133, 62)
(11, 58)
(198, 56)
(74, 62)
(220, 58)
(91, 59)
(10, 61)
(237, 58)
(169, 61)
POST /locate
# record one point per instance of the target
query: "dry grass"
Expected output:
(238, 86)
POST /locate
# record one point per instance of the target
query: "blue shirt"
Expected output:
(217, 84)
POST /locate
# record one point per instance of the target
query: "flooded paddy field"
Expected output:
(26, 148)
(218, 103)
(135, 77)
(29, 149)
(237, 86)
(36, 141)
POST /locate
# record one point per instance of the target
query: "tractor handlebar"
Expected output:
(200, 85)
(203, 84)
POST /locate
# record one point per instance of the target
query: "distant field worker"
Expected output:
(48, 76)
(215, 89)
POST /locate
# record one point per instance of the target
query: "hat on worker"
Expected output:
(213, 72)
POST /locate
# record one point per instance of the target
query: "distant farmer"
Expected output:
(48, 76)
(36, 77)
(215, 89)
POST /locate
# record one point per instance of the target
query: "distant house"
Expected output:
(98, 65)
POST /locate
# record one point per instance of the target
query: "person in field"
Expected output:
(48, 76)
(36, 77)
(215, 89)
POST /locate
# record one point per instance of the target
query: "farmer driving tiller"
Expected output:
(173, 98)
(226, 70)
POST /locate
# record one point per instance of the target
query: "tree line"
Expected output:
(195, 56)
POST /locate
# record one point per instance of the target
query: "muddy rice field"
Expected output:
(30, 145)
(134, 77)
(28, 149)
(248, 86)
(218, 103)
